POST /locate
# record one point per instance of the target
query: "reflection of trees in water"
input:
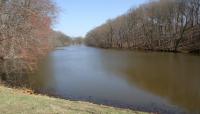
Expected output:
(174, 77)
(44, 75)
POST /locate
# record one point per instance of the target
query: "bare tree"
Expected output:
(25, 26)
(164, 25)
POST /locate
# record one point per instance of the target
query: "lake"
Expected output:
(148, 81)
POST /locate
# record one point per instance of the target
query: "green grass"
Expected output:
(14, 101)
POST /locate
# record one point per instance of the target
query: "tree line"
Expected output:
(161, 25)
(59, 39)
(25, 36)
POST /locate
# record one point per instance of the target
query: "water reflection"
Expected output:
(149, 81)
(176, 77)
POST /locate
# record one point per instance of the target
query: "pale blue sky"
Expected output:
(77, 17)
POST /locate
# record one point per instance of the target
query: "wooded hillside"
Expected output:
(161, 25)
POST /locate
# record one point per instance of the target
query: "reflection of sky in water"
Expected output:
(124, 77)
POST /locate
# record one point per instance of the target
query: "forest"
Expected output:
(159, 25)
(26, 36)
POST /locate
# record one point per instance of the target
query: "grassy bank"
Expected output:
(14, 101)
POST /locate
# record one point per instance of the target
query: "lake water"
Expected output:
(148, 81)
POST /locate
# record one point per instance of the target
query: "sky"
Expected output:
(77, 17)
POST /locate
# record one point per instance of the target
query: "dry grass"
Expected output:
(14, 101)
